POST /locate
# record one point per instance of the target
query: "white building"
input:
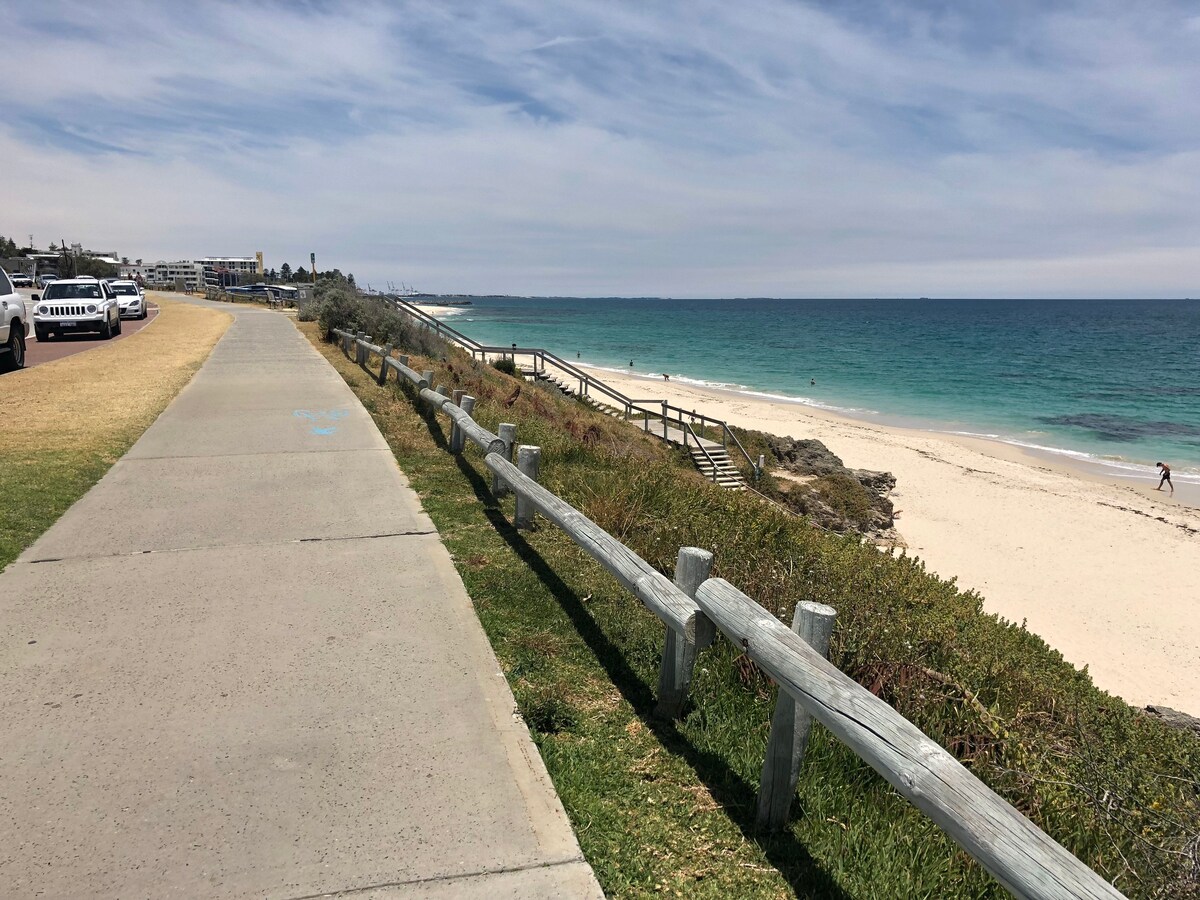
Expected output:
(194, 273)
(239, 264)
(227, 270)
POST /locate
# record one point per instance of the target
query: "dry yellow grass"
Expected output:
(115, 390)
(64, 423)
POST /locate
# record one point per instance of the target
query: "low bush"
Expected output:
(505, 365)
(339, 305)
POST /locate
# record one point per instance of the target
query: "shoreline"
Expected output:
(1100, 566)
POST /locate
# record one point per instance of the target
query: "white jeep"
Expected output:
(14, 325)
(76, 304)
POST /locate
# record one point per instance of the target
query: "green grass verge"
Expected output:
(38, 490)
(667, 808)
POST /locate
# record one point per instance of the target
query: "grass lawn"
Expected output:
(66, 422)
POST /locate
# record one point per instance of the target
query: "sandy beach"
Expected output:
(1106, 570)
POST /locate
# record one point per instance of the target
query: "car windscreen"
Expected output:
(59, 291)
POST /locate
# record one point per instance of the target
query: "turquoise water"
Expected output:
(1110, 381)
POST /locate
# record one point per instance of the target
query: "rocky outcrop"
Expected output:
(804, 457)
(825, 499)
(1174, 718)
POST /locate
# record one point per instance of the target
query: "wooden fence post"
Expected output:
(664, 419)
(383, 364)
(692, 568)
(528, 461)
(358, 350)
(508, 434)
(791, 725)
(458, 438)
(427, 376)
(403, 358)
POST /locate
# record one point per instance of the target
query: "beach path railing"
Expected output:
(693, 607)
(588, 384)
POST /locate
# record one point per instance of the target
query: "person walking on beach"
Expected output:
(1166, 477)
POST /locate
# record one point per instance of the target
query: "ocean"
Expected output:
(1112, 382)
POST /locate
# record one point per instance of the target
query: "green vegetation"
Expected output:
(505, 365)
(338, 305)
(668, 807)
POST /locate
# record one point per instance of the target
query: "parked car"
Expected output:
(44, 280)
(76, 304)
(131, 299)
(14, 325)
(20, 279)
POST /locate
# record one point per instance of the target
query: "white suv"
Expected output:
(76, 304)
(130, 298)
(14, 325)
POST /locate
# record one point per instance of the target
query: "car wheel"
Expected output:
(15, 358)
(42, 334)
(145, 312)
(118, 331)
(106, 330)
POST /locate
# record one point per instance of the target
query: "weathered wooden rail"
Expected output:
(693, 606)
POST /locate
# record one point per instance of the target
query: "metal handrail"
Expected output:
(687, 429)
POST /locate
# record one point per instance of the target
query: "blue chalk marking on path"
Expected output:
(318, 415)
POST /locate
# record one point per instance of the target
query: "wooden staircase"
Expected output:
(715, 465)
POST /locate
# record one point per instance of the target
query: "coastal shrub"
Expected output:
(1117, 788)
(505, 365)
(338, 305)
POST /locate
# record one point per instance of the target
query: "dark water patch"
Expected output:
(1114, 394)
(1122, 428)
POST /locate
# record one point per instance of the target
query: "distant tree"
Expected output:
(8, 247)
(76, 265)
(285, 272)
(272, 275)
(350, 279)
(299, 273)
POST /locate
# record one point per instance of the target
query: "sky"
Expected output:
(676, 149)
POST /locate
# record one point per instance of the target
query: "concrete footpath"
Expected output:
(244, 666)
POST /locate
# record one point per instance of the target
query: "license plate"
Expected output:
(68, 324)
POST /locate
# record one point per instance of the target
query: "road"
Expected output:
(37, 352)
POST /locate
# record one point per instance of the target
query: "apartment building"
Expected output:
(194, 274)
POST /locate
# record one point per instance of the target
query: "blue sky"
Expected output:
(758, 148)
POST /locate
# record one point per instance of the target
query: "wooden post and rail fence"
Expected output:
(694, 607)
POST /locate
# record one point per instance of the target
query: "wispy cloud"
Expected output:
(699, 148)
